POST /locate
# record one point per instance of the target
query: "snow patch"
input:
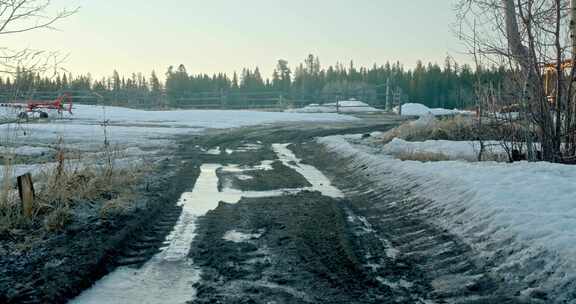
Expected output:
(453, 150)
(520, 215)
(240, 237)
(318, 180)
(418, 109)
(344, 106)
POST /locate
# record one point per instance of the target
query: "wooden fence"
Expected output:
(200, 100)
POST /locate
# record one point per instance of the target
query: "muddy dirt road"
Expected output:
(268, 216)
(330, 237)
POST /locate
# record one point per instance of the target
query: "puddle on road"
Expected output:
(168, 277)
(264, 165)
(318, 180)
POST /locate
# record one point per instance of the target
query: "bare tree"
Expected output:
(532, 38)
(19, 16)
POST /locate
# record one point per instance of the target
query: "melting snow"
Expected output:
(345, 106)
(417, 109)
(240, 237)
(318, 180)
(517, 214)
(454, 150)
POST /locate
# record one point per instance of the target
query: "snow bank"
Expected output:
(417, 109)
(520, 217)
(345, 106)
(453, 150)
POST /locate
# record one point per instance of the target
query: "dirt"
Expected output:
(303, 254)
(54, 267)
(308, 248)
(297, 248)
(279, 176)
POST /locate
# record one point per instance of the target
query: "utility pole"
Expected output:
(388, 99)
(398, 99)
(573, 25)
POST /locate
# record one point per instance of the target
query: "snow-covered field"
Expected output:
(345, 106)
(129, 131)
(520, 217)
(139, 127)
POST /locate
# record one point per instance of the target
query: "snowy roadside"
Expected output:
(518, 217)
(452, 150)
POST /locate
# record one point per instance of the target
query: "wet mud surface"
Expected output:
(301, 253)
(298, 246)
(58, 266)
(278, 176)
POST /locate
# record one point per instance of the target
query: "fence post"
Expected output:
(388, 99)
(281, 100)
(26, 191)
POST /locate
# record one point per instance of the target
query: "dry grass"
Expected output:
(422, 156)
(457, 128)
(10, 211)
(123, 204)
(450, 128)
(61, 187)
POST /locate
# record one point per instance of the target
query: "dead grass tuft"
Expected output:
(118, 206)
(451, 128)
(62, 186)
(58, 218)
(422, 156)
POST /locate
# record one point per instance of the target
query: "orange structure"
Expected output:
(550, 78)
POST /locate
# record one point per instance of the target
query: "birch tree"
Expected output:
(533, 38)
(20, 16)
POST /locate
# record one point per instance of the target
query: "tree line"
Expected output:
(450, 85)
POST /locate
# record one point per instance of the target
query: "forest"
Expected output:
(450, 85)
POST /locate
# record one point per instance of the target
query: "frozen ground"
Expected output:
(519, 217)
(345, 106)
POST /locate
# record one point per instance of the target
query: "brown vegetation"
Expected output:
(61, 188)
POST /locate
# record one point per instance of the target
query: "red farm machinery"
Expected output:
(39, 108)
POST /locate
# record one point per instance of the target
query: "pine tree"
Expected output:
(155, 85)
(235, 85)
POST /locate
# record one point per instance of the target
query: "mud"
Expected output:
(55, 267)
(279, 177)
(303, 254)
(299, 247)
(449, 270)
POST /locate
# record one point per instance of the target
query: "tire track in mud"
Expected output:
(373, 246)
(445, 269)
(309, 248)
(146, 244)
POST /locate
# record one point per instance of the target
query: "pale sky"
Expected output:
(224, 35)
